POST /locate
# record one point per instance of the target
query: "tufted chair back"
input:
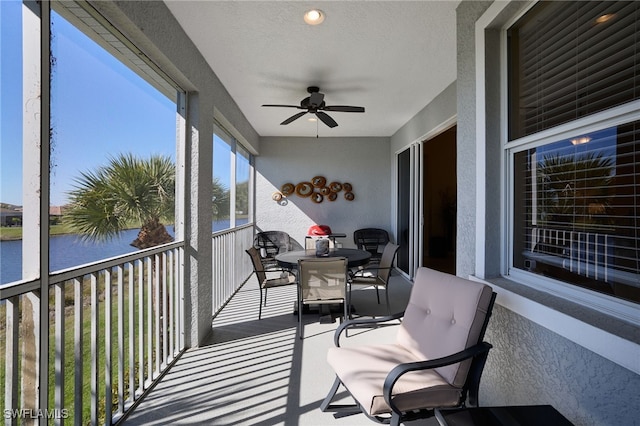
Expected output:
(445, 314)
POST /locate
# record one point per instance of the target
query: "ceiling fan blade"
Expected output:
(344, 108)
(316, 98)
(284, 106)
(293, 117)
(326, 119)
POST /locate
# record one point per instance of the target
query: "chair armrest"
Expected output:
(360, 272)
(359, 322)
(481, 349)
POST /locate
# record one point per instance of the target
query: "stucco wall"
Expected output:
(363, 162)
(439, 111)
(531, 363)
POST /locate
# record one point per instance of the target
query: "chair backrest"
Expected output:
(446, 314)
(272, 242)
(258, 267)
(322, 278)
(386, 261)
(371, 239)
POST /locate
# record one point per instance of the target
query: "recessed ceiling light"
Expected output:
(314, 17)
(604, 18)
(580, 140)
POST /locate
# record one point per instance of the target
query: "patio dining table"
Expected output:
(355, 257)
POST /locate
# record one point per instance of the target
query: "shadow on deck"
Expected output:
(252, 372)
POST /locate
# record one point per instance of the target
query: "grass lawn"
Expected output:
(69, 344)
(15, 232)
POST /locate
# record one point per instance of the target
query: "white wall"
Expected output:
(363, 162)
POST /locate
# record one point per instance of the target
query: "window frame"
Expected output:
(227, 135)
(606, 304)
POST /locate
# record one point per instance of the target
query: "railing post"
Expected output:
(12, 325)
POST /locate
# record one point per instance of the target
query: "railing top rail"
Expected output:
(21, 287)
(230, 230)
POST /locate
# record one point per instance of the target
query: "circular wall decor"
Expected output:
(319, 181)
(304, 189)
(317, 197)
(276, 196)
(325, 190)
(349, 196)
(332, 196)
(287, 189)
(335, 186)
(347, 187)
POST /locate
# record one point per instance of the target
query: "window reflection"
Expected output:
(577, 210)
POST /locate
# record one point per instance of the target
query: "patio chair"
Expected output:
(264, 283)
(271, 243)
(321, 281)
(435, 362)
(377, 275)
(372, 240)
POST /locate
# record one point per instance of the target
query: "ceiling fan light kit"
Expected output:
(315, 104)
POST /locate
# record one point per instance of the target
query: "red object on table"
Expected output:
(319, 230)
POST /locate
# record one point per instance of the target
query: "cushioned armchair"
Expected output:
(435, 362)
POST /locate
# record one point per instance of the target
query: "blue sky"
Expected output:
(100, 108)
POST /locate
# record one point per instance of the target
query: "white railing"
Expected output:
(230, 264)
(114, 327)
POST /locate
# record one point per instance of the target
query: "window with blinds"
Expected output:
(571, 59)
(576, 211)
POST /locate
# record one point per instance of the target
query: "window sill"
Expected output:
(609, 337)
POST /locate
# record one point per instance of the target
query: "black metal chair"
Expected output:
(372, 240)
(271, 243)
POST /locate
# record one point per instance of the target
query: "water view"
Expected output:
(70, 250)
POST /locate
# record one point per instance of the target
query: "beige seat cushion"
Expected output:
(444, 316)
(363, 370)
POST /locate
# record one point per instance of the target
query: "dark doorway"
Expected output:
(439, 198)
(404, 209)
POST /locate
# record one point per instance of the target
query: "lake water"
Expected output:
(66, 251)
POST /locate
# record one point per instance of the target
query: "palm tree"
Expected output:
(576, 188)
(219, 199)
(127, 191)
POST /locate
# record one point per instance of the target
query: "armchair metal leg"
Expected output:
(395, 419)
(340, 410)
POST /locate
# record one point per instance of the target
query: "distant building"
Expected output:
(10, 217)
(13, 216)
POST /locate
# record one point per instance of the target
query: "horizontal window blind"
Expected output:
(571, 59)
(577, 210)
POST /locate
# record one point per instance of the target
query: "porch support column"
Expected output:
(198, 176)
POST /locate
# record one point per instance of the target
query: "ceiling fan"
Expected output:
(314, 104)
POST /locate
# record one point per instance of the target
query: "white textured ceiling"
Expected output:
(391, 57)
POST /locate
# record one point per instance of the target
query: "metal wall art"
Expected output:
(317, 189)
